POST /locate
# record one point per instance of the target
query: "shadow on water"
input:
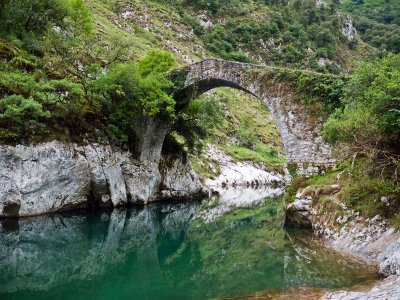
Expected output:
(231, 245)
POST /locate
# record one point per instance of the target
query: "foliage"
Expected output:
(245, 130)
(365, 196)
(197, 121)
(131, 92)
(259, 154)
(290, 33)
(21, 117)
(34, 105)
(25, 17)
(156, 63)
(315, 88)
(377, 21)
(367, 133)
(245, 133)
(382, 11)
(370, 121)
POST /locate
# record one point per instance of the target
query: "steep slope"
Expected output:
(301, 34)
(377, 21)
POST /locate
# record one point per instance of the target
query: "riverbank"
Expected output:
(343, 229)
(349, 232)
(55, 176)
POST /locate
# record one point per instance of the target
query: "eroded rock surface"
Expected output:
(240, 173)
(55, 176)
(349, 232)
(178, 178)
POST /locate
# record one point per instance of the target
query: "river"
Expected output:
(232, 245)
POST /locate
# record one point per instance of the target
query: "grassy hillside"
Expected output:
(248, 132)
(284, 33)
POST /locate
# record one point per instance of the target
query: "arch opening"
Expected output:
(248, 131)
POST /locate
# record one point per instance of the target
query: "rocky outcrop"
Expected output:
(243, 174)
(55, 176)
(348, 28)
(298, 212)
(348, 232)
(178, 178)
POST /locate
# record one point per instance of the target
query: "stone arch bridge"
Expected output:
(299, 124)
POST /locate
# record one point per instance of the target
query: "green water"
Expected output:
(196, 250)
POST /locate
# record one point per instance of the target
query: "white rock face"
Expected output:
(45, 178)
(55, 176)
(179, 177)
(240, 173)
(348, 29)
(373, 239)
(106, 173)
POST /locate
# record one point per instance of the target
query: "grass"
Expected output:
(153, 25)
(205, 168)
(249, 131)
(262, 154)
(360, 190)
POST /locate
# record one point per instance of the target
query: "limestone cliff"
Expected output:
(55, 176)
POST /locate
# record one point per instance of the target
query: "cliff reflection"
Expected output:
(169, 251)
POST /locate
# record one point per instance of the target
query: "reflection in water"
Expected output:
(169, 251)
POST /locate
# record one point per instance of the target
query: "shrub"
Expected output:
(21, 117)
(369, 123)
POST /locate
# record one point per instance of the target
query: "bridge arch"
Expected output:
(300, 132)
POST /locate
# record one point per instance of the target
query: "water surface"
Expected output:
(227, 246)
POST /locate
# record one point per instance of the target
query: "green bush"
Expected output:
(24, 17)
(371, 117)
(21, 117)
(197, 120)
(131, 92)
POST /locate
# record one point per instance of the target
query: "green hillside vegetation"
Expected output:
(54, 83)
(365, 133)
(377, 22)
(279, 32)
(245, 130)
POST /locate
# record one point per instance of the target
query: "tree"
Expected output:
(24, 17)
(132, 92)
(369, 123)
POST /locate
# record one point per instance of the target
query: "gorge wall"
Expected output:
(55, 176)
